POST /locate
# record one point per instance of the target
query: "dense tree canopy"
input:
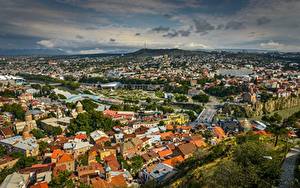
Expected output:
(223, 91)
(249, 167)
(37, 133)
(203, 98)
(15, 109)
(88, 105)
(90, 121)
(62, 180)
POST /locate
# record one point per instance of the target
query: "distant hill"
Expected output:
(28, 52)
(57, 53)
(157, 52)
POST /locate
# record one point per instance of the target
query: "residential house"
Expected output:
(77, 147)
(90, 170)
(219, 132)
(7, 162)
(187, 149)
(27, 145)
(6, 132)
(16, 180)
(99, 137)
(157, 172)
(131, 147)
(66, 160)
(174, 161)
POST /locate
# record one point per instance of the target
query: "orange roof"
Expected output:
(184, 127)
(115, 181)
(166, 135)
(174, 161)
(40, 185)
(199, 143)
(102, 140)
(99, 183)
(165, 153)
(262, 132)
(65, 158)
(81, 136)
(56, 153)
(93, 153)
(169, 127)
(41, 165)
(112, 162)
(219, 132)
(118, 181)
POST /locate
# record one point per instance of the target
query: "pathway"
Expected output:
(288, 168)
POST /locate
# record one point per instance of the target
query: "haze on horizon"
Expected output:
(98, 26)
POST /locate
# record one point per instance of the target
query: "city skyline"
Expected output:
(84, 27)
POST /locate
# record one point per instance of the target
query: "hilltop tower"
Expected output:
(79, 107)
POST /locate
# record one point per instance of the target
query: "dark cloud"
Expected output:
(176, 33)
(184, 33)
(220, 26)
(235, 25)
(79, 37)
(112, 40)
(138, 34)
(171, 34)
(169, 16)
(160, 29)
(203, 26)
(263, 20)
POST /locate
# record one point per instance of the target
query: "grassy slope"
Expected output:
(206, 170)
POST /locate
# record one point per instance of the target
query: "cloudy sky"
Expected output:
(95, 26)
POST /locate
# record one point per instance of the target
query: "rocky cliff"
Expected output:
(259, 108)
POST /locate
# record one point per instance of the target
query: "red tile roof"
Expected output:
(118, 181)
(81, 136)
(65, 158)
(112, 162)
(165, 153)
(219, 132)
(40, 185)
(187, 149)
(56, 153)
(174, 161)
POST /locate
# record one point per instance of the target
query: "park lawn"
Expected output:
(74, 92)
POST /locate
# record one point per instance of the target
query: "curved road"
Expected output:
(288, 168)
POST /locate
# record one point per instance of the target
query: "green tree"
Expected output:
(277, 130)
(181, 98)
(63, 180)
(50, 130)
(90, 121)
(2, 151)
(15, 109)
(36, 86)
(83, 160)
(136, 163)
(203, 98)
(248, 167)
(89, 105)
(161, 123)
(60, 96)
(207, 134)
(43, 146)
(24, 162)
(159, 94)
(191, 115)
(37, 133)
(53, 96)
